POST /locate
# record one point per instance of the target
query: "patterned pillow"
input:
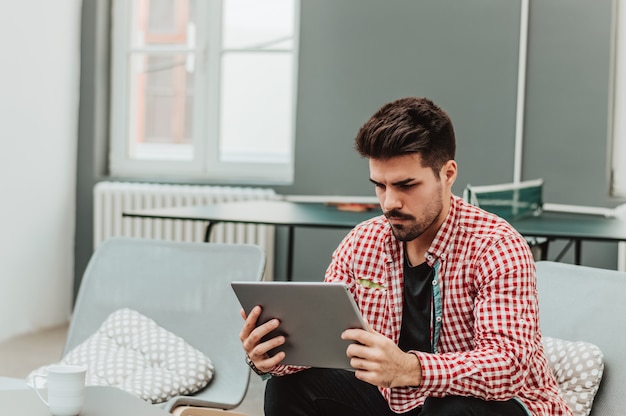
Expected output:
(132, 352)
(578, 368)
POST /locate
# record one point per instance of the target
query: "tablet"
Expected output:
(312, 317)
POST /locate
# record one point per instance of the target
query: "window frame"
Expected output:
(207, 56)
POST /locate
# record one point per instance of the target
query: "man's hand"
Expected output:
(380, 362)
(251, 336)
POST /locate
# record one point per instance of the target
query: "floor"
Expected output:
(24, 353)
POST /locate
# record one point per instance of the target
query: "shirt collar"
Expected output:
(440, 244)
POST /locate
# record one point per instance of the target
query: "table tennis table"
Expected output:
(574, 227)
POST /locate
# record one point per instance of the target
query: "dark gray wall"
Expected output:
(92, 146)
(566, 127)
(567, 105)
(355, 55)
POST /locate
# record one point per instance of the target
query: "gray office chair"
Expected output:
(184, 288)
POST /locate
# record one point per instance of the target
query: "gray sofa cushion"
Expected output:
(579, 303)
(132, 352)
(578, 368)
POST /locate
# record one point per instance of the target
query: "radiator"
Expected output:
(113, 198)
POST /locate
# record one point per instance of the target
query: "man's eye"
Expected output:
(407, 186)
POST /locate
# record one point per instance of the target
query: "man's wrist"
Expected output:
(254, 368)
(416, 376)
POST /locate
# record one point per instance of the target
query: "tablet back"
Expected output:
(312, 314)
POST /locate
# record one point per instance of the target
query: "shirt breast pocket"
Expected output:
(371, 298)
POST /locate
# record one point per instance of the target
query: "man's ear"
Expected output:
(448, 172)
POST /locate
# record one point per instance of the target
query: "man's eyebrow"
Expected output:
(403, 182)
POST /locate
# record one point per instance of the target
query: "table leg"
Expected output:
(290, 254)
(567, 246)
(544, 249)
(578, 251)
(207, 233)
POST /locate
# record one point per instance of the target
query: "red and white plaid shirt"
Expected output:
(485, 333)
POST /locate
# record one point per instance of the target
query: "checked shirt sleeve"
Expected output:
(490, 329)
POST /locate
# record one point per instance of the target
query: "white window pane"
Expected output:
(161, 107)
(171, 73)
(251, 24)
(162, 23)
(256, 107)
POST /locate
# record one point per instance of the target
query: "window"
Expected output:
(204, 89)
(618, 172)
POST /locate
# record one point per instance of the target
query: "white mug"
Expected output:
(66, 389)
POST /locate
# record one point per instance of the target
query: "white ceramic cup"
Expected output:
(66, 389)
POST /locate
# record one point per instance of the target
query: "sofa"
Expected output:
(578, 304)
(588, 305)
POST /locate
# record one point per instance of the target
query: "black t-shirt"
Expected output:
(415, 330)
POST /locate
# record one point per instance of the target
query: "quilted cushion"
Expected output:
(578, 368)
(132, 352)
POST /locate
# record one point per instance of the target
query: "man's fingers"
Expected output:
(261, 350)
(358, 335)
(269, 363)
(259, 354)
(250, 322)
(251, 337)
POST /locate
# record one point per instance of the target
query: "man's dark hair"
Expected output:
(405, 126)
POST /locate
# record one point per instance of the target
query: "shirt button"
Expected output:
(438, 319)
(429, 257)
(434, 282)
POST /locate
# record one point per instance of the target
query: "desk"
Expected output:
(573, 227)
(99, 401)
(552, 225)
(268, 212)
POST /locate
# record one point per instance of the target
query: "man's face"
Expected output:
(412, 197)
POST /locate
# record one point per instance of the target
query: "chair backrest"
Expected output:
(184, 288)
(579, 303)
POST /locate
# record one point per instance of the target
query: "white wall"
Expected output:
(39, 81)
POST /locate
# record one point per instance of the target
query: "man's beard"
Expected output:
(412, 228)
(408, 231)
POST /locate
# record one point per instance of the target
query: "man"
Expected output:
(447, 288)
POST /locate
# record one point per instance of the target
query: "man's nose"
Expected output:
(391, 201)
